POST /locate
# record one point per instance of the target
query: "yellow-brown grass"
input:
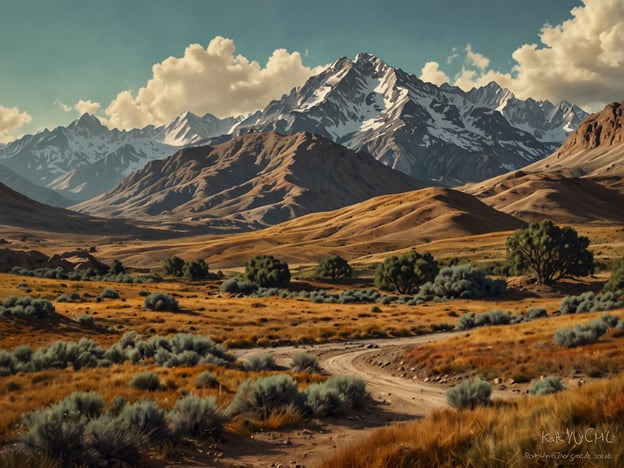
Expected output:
(580, 427)
(522, 352)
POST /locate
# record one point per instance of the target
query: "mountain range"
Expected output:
(441, 134)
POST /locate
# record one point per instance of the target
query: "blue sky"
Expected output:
(62, 57)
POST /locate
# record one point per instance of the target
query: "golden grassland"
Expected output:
(579, 427)
(522, 352)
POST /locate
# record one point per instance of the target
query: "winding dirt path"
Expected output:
(375, 361)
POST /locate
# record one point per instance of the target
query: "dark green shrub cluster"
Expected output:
(469, 394)
(590, 302)
(26, 307)
(463, 281)
(267, 271)
(616, 282)
(88, 274)
(260, 362)
(581, 335)
(269, 395)
(265, 396)
(237, 285)
(546, 386)
(536, 312)
(206, 380)
(147, 381)
(73, 297)
(85, 319)
(193, 416)
(109, 293)
(181, 350)
(496, 317)
(336, 396)
(406, 273)
(161, 302)
(303, 361)
(77, 431)
(333, 267)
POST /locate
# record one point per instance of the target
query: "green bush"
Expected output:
(69, 297)
(146, 418)
(147, 381)
(206, 380)
(590, 302)
(86, 319)
(196, 417)
(173, 266)
(26, 307)
(496, 317)
(107, 443)
(406, 273)
(267, 271)
(546, 386)
(195, 270)
(109, 293)
(303, 361)
(616, 282)
(337, 396)
(161, 302)
(237, 285)
(581, 335)
(265, 396)
(536, 312)
(469, 394)
(333, 267)
(465, 282)
(549, 252)
(260, 362)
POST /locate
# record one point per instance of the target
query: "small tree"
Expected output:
(117, 268)
(333, 267)
(549, 252)
(405, 273)
(616, 282)
(195, 270)
(173, 266)
(267, 271)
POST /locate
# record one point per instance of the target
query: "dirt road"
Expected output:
(375, 361)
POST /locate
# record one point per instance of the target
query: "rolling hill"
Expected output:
(250, 182)
(581, 182)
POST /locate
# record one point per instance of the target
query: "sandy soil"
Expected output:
(396, 397)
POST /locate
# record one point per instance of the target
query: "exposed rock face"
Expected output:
(68, 261)
(601, 129)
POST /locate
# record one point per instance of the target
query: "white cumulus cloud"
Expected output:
(580, 60)
(211, 79)
(431, 73)
(11, 119)
(87, 107)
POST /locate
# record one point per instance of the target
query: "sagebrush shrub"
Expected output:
(146, 418)
(206, 380)
(590, 302)
(260, 362)
(108, 443)
(616, 282)
(148, 381)
(463, 281)
(581, 335)
(109, 293)
(469, 394)
(161, 302)
(195, 416)
(26, 307)
(303, 361)
(236, 285)
(546, 386)
(265, 396)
